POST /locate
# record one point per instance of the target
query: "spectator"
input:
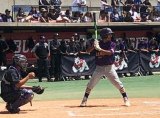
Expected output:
(128, 5)
(105, 6)
(43, 4)
(62, 19)
(7, 17)
(116, 4)
(115, 17)
(103, 16)
(34, 14)
(77, 17)
(145, 5)
(44, 16)
(87, 17)
(137, 2)
(134, 14)
(158, 5)
(68, 15)
(21, 16)
(128, 17)
(1, 18)
(57, 5)
(78, 6)
(52, 14)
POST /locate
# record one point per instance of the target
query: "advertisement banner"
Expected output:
(77, 65)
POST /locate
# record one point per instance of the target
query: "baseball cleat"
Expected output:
(126, 102)
(84, 102)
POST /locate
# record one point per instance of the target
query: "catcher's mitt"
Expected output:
(38, 89)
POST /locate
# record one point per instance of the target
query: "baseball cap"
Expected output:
(43, 10)
(7, 10)
(105, 31)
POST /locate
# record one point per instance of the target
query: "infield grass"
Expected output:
(137, 87)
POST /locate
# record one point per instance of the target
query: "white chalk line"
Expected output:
(152, 103)
(51, 107)
(73, 114)
(112, 109)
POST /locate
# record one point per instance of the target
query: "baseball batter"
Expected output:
(104, 49)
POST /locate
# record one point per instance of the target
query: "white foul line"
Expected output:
(73, 114)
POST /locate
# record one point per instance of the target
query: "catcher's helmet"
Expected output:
(105, 31)
(20, 60)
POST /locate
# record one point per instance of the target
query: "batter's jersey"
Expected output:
(107, 59)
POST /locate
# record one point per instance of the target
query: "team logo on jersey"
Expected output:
(119, 63)
(154, 61)
(79, 65)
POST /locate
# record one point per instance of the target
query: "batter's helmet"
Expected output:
(20, 60)
(105, 31)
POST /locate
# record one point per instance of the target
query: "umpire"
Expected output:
(41, 52)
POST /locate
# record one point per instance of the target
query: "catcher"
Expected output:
(13, 89)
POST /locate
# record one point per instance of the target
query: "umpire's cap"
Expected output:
(105, 31)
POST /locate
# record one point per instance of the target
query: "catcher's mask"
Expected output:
(105, 31)
(21, 61)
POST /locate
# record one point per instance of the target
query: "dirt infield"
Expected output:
(97, 108)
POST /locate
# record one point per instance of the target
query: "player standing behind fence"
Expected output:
(104, 62)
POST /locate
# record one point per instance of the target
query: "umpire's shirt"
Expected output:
(41, 50)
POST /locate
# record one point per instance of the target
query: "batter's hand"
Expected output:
(101, 53)
(31, 75)
(96, 45)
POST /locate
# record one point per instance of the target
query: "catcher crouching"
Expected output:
(13, 89)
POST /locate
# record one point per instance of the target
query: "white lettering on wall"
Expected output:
(21, 48)
(24, 49)
(18, 43)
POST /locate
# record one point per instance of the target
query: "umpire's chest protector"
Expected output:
(42, 50)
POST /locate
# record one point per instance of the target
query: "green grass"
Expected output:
(137, 87)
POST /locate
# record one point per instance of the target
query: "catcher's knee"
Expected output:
(28, 95)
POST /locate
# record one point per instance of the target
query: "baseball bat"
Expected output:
(95, 26)
(96, 43)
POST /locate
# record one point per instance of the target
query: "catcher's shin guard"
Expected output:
(26, 97)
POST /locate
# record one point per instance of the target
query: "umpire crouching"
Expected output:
(41, 52)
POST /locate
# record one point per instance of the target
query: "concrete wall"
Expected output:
(7, 4)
